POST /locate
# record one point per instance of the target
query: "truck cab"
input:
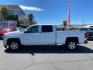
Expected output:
(39, 35)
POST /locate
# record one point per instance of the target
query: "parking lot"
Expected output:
(47, 58)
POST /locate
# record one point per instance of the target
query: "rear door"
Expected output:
(47, 36)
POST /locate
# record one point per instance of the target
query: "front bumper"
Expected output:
(1, 36)
(5, 46)
(4, 43)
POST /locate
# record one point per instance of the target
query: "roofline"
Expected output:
(47, 24)
(14, 5)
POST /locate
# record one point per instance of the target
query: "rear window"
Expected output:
(65, 29)
(84, 29)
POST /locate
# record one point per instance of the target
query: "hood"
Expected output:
(14, 33)
(4, 31)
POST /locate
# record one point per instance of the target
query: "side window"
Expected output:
(60, 29)
(47, 28)
(84, 29)
(33, 29)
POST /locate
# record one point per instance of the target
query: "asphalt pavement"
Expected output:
(47, 58)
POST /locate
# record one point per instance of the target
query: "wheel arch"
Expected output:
(13, 39)
(75, 39)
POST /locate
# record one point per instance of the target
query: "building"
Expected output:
(17, 11)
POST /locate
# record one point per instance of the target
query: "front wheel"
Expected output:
(14, 45)
(71, 45)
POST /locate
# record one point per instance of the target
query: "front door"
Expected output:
(31, 36)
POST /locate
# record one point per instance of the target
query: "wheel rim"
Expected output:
(72, 45)
(14, 46)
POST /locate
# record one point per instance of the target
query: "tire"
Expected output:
(14, 45)
(71, 45)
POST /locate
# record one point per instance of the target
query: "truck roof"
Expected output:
(47, 24)
(87, 26)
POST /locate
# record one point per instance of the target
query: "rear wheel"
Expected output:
(71, 45)
(14, 45)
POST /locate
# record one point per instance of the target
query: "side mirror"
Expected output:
(26, 32)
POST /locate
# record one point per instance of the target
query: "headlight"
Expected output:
(7, 29)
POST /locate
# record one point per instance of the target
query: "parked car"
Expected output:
(89, 31)
(44, 35)
(5, 30)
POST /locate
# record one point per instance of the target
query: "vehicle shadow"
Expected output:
(48, 49)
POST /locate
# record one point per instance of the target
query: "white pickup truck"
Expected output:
(44, 35)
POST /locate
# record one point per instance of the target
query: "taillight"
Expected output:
(86, 35)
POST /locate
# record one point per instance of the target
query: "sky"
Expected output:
(55, 11)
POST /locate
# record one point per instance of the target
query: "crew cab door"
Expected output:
(47, 36)
(31, 36)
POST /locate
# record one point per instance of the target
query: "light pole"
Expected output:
(68, 13)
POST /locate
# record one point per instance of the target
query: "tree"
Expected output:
(12, 17)
(64, 23)
(4, 12)
(31, 19)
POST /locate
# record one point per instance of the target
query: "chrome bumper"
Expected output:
(4, 42)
